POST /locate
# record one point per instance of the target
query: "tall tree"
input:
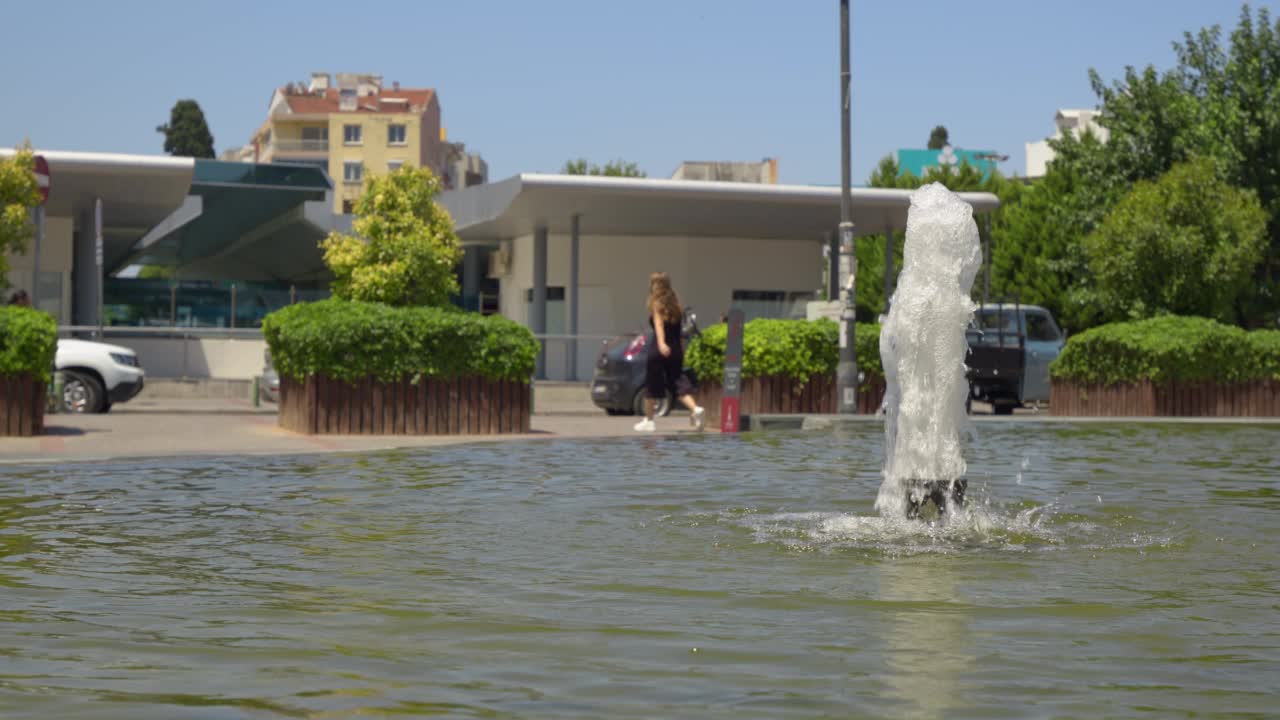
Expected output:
(938, 138)
(613, 168)
(187, 134)
(18, 194)
(404, 251)
(1218, 102)
(1037, 251)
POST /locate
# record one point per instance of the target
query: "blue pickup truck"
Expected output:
(1010, 348)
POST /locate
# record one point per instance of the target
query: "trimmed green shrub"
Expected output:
(28, 342)
(795, 348)
(1169, 349)
(349, 340)
(1266, 348)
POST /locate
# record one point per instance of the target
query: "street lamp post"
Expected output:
(847, 367)
(992, 158)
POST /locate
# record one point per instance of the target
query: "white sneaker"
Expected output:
(645, 425)
(697, 418)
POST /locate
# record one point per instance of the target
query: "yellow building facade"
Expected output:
(353, 130)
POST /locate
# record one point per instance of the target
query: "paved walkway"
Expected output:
(195, 427)
(167, 427)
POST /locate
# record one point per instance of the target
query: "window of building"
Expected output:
(394, 165)
(771, 303)
(352, 134)
(352, 172)
(396, 135)
(316, 133)
(348, 207)
(555, 309)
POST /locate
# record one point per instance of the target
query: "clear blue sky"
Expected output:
(531, 84)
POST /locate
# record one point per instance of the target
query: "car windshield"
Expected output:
(1040, 327)
(989, 321)
(990, 327)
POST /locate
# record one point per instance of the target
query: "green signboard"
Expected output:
(917, 162)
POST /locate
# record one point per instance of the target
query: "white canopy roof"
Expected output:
(641, 206)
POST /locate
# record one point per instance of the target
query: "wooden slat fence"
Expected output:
(22, 404)
(1256, 398)
(459, 406)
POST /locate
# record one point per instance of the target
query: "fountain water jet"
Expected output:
(922, 348)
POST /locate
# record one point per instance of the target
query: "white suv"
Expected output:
(97, 375)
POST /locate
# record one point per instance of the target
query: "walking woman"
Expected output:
(664, 366)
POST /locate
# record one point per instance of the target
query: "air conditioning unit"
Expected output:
(499, 263)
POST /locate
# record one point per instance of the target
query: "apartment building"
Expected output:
(1076, 122)
(764, 172)
(350, 125)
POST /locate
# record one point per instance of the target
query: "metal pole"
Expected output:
(574, 239)
(538, 311)
(173, 304)
(833, 266)
(233, 306)
(986, 279)
(847, 367)
(97, 257)
(293, 294)
(35, 257)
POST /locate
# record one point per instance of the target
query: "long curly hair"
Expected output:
(663, 299)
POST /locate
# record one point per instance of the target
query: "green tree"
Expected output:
(613, 168)
(187, 133)
(406, 250)
(938, 138)
(1037, 246)
(1217, 102)
(18, 194)
(1185, 244)
(1222, 102)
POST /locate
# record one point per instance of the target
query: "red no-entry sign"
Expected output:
(42, 178)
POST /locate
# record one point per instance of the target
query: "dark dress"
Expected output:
(666, 373)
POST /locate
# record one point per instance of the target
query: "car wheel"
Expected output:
(106, 407)
(662, 410)
(1002, 409)
(612, 411)
(82, 393)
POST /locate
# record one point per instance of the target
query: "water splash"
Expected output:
(922, 349)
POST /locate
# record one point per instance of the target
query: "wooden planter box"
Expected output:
(1258, 398)
(777, 394)
(22, 403)
(461, 406)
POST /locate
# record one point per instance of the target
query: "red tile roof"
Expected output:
(304, 103)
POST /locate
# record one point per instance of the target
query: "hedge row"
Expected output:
(795, 348)
(28, 342)
(1169, 349)
(350, 340)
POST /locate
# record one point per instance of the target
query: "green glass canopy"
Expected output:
(244, 221)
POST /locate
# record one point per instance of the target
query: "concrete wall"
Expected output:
(614, 278)
(237, 359)
(55, 269)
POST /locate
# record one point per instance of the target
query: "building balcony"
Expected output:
(277, 149)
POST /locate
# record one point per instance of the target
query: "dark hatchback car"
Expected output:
(618, 382)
